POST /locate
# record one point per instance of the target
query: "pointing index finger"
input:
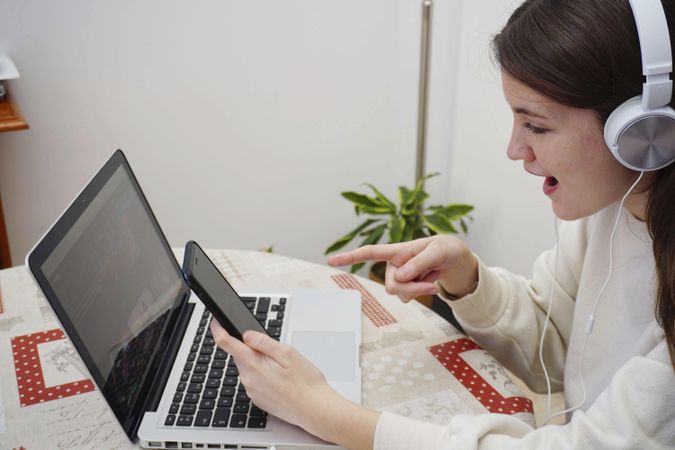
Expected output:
(365, 253)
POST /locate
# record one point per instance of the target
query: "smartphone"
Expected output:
(215, 292)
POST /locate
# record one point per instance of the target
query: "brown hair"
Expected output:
(586, 54)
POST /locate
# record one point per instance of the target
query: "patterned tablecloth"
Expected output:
(414, 363)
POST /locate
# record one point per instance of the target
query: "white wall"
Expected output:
(244, 120)
(513, 219)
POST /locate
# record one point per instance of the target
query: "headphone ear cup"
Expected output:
(641, 139)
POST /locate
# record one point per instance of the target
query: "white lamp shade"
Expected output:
(7, 68)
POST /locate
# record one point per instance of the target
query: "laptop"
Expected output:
(116, 288)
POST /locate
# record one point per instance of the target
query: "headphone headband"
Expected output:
(657, 63)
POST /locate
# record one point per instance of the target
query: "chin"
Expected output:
(564, 212)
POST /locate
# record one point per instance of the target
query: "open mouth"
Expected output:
(551, 181)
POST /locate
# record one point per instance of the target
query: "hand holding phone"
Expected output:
(215, 292)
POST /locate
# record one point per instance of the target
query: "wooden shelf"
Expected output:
(10, 118)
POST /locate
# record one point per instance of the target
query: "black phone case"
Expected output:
(204, 297)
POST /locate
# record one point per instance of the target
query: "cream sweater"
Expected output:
(630, 383)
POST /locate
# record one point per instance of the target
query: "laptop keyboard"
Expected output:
(209, 393)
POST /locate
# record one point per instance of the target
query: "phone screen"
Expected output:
(217, 294)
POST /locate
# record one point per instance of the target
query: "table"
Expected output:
(414, 363)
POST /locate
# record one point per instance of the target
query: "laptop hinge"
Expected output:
(164, 370)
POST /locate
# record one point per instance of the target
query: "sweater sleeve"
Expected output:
(634, 411)
(506, 313)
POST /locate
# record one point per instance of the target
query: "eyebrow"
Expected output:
(527, 112)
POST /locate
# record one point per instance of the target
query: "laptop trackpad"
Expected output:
(331, 352)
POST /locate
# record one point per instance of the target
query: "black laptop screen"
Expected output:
(113, 277)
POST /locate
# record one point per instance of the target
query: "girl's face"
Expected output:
(565, 146)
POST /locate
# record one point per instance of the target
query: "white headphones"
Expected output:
(641, 132)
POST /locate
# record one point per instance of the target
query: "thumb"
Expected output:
(267, 346)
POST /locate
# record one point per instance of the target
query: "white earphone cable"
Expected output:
(591, 319)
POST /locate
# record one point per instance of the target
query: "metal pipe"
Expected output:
(423, 91)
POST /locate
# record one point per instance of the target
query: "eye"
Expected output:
(534, 130)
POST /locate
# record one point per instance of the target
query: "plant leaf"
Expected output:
(384, 201)
(395, 225)
(373, 238)
(355, 267)
(465, 229)
(405, 196)
(346, 239)
(453, 211)
(359, 199)
(439, 223)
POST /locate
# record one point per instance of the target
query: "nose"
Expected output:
(519, 148)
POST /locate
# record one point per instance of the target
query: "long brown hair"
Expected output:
(586, 54)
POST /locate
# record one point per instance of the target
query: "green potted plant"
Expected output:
(408, 220)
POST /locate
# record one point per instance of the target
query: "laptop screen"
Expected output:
(113, 282)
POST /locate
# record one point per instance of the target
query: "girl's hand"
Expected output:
(414, 266)
(287, 385)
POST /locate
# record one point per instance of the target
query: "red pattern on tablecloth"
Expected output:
(371, 308)
(29, 376)
(449, 354)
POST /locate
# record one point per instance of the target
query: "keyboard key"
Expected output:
(170, 420)
(221, 417)
(206, 350)
(184, 421)
(248, 299)
(185, 376)
(280, 316)
(178, 396)
(282, 301)
(220, 354)
(240, 408)
(257, 422)
(232, 372)
(197, 340)
(231, 363)
(188, 367)
(218, 364)
(275, 308)
(210, 393)
(203, 418)
(188, 409)
(181, 386)
(194, 348)
(191, 357)
(257, 412)
(204, 322)
(216, 373)
(204, 359)
(261, 316)
(212, 383)
(274, 331)
(191, 398)
(206, 315)
(263, 305)
(238, 421)
(201, 330)
(173, 409)
(198, 377)
(207, 403)
(274, 323)
(282, 308)
(227, 391)
(209, 341)
(230, 381)
(225, 402)
(195, 388)
(243, 397)
(201, 368)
